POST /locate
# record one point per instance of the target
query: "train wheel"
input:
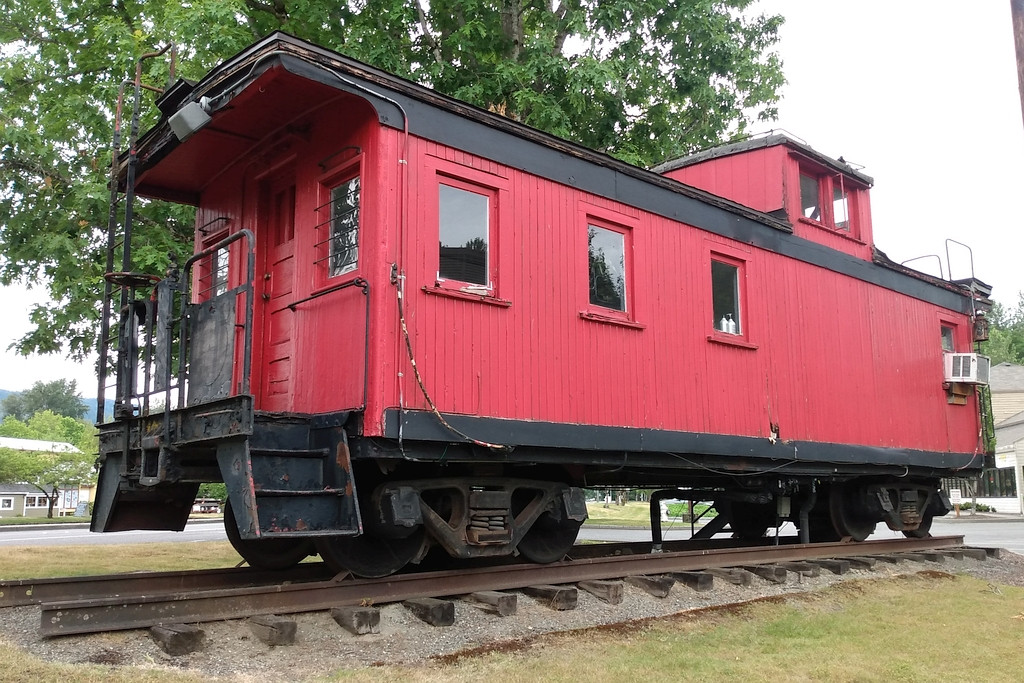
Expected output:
(845, 505)
(549, 539)
(270, 553)
(370, 556)
(751, 521)
(924, 530)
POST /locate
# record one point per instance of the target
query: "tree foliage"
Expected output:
(49, 471)
(643, 81)
(1006, 334)
(59, 396)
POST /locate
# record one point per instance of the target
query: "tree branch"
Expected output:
(435, 49)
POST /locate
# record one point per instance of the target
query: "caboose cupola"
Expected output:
(825, 200)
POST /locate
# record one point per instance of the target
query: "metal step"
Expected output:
(289, 470)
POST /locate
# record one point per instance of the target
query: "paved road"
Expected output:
(80, 535)
(1002, 532)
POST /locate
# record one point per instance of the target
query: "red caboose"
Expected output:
(411, 322)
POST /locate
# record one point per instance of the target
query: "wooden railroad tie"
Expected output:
(178, 639)
(433, 611)
(274, 630)
(834, 566)
(734, 576)
(861, 562)
(698, 581)
(978, 554)
(606, 591)
(658, 586)
(769, 572)
(357, 620)
(555, 597)
(495, 602)
(802, 568)
(921, 557)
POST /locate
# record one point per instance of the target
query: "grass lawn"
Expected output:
(38, 562)
(15, 521)
(914, 628)
(632, 514)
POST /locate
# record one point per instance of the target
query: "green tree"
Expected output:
(59, 396)
(1006, 335)
(15, 465)
(642, 81)
(49, 471)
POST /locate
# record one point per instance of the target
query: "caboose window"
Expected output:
(840, 205)
(810, 197)
(816, 188)
(607, 259)
(344, 240)
(725, 295)
(464, 233)
(947, 339)
(213, 269)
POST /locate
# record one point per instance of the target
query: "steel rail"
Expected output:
(18, 592)
(142, 611)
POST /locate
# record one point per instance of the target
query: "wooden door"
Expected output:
(277, 240)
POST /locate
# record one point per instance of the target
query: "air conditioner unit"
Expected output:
(970, 368)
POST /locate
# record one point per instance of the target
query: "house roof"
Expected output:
(35, 445)
(1006, 378)
(1010, 430)
(18, 489)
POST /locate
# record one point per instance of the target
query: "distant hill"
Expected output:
(90, 413)
(90, 405)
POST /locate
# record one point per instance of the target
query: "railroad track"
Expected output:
(141, 601)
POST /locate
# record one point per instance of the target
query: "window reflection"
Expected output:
(607, 257)
(464, 226)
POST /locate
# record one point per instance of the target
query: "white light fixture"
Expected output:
(189, 119)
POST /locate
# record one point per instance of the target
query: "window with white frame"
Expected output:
(6, 503)
(464, 229)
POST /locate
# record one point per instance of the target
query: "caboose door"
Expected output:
(276, 255)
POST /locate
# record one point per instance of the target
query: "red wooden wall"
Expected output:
(836, 359)
(826, 357)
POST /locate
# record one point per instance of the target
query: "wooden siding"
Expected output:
(753, 178)
(1006, 404)
(326, 334)
(826, 357)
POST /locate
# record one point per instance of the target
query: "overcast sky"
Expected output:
(922, 94)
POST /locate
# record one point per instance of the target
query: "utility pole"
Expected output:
(1017, 17)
